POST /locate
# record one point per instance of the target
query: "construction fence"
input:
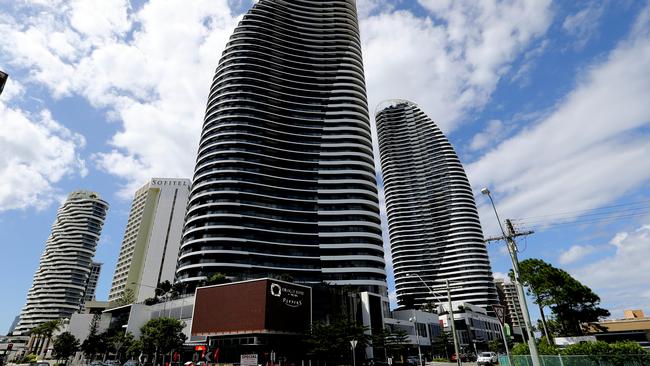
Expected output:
(575, 360)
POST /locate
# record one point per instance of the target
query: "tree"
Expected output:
(616, 354)
(520, 349)
(216, 279)
(331, 341)
(65, 346)
(94, 344)
(495, 345)
(571, 302)
(393, 342)
(120, 341)
(44, 333)
(162, 335)
(128, 297)
(134, 349)
(285, 277)
(443, 344)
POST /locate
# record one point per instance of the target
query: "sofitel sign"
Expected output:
(170, 182)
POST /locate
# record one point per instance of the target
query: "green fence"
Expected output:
(600, 360)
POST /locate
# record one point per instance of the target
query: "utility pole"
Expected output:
(509, 237)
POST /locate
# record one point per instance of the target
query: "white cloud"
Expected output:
(583, 25)
(36, 152)
(151, 69)
(621, 279)
(493, 132)
(500, 276)
(576, 253)
(392, 299)
(589, 151)
(452, 64)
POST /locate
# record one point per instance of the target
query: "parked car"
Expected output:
(487, 358)
(96, 363)
(413, 361)
(463, 357)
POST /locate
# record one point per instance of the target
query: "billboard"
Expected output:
(256, 306)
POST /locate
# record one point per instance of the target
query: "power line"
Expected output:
(645, 203)
(589, 217)
(590, 221)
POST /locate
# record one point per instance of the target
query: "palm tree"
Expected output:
(45, 331)
(35, 336)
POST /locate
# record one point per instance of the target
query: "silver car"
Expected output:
(487, 358)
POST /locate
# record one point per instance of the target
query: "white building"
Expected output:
(474, 327)
(61, 282)
(152, 238)
(421, 327)
(508, 296)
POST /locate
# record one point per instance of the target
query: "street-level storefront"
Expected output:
(261, 321)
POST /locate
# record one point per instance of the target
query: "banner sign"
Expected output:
(248, 359)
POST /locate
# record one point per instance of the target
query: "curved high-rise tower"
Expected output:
(284, 180)
(434, 228)
(64, 278)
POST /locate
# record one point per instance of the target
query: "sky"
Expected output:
(547, 104)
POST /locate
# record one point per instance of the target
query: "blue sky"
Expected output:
(545, 102)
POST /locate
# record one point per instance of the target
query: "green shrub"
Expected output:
(29, 358)
(520, 349)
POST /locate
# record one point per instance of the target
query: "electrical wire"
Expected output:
(593, 215)
(601, 215)
(644, 202)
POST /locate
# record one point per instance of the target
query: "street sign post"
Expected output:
(353, 343)
(500, 312)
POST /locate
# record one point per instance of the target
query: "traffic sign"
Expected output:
(353, 343)
(500, 312)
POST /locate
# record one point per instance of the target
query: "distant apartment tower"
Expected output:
(508, 296)
(284, 182)
(61, 282)
(93, 279)
(152, 238)
(433, 223)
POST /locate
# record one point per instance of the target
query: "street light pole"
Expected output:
(451, 313)
(512, 249)
(452, 322)
(414, 319)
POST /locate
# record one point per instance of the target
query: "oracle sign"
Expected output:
(288, 306)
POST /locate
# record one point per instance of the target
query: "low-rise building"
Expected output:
(474, 327)
(634, 326)
(422, 328)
